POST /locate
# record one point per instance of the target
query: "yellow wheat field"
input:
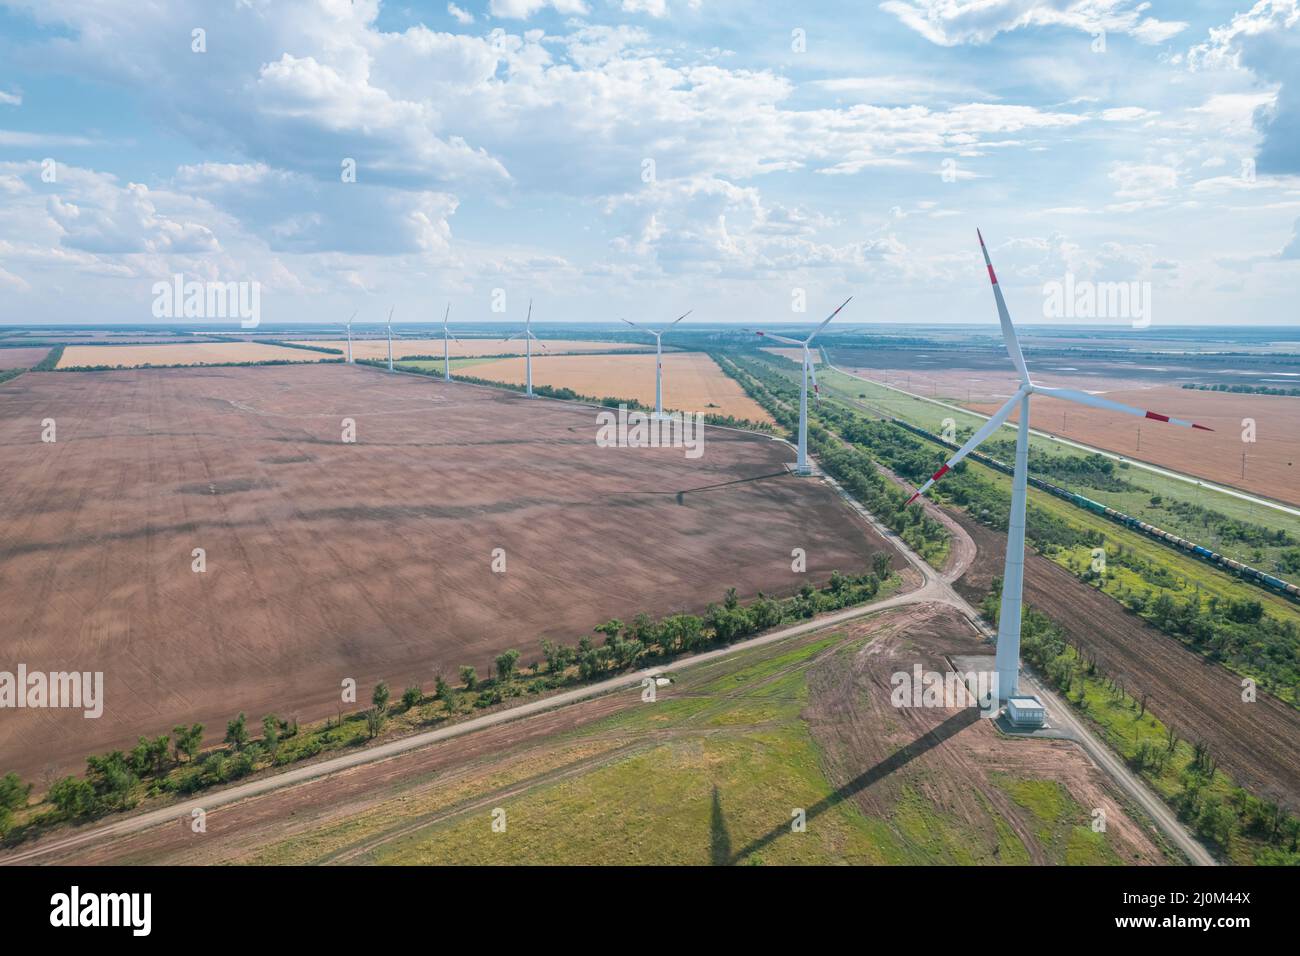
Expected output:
(196, 353)
(465, 348)
(693, 382)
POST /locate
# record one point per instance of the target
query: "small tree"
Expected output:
(186, 740)
(374, 722)
(411, 696)
(469, 677)
(442, 690)
(271, 733)
(13, 796)
(72, 796)
(380, 696)
(880, 565)
(111, 777)
(506, 666)
(558, 657)
(237, 732)
(150, 755)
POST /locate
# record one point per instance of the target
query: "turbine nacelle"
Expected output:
(808, 372)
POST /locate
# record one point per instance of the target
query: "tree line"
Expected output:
(176, 763)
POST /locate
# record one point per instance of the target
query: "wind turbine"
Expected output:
(389, 326)
(1007, 658)
(348, 326)
(529, 338)
(446, 349)
(659, 358)
(801, 466)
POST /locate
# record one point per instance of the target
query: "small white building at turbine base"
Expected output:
(1026, 712)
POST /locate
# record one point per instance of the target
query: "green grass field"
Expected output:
(710, 774)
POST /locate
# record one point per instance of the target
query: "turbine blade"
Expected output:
(988, 428)
(775, 337)
(1096, 401)
(634, 325)
(680, 317)
(1004, 317)
(812, 370)
(828, 319)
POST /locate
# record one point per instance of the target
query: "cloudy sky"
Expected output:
(641, 157)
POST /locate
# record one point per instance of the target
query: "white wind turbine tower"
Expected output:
(659, 358)
(348, 326)
(446, 348)
(1007, 659)
(529, 339)
(801, 466)
(390, 339)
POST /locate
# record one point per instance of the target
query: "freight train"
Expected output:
(1254, 575)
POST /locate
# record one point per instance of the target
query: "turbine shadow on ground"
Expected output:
(719, 836)
(896, 761)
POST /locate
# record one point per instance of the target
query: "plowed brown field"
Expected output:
(327, 560)
(21, 358)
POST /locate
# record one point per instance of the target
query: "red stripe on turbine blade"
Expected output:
(911, 499)
(1204, 428)
(993, 275)
(1157, 416)
(940, 473)
(981, 235)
